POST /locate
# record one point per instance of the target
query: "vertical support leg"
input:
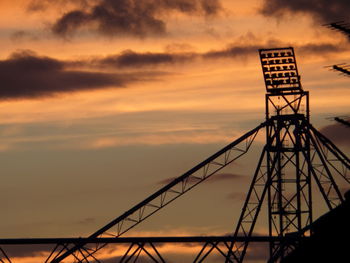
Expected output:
(250, 211)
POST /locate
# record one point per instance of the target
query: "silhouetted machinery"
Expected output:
(296, 161)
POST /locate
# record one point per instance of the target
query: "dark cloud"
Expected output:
(240, 49)
(130, 58)
(233, 51)
(19, 35)
(337, 133)
(129, 17)
(248, 44)
(25, 35)
(321, 10)
(26, 250)
(321, 48)
(26, 75)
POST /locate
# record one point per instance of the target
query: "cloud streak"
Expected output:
(321, 10)
(132, 59)
(129, 58)
(27, 75)
(129, 17)
(20, 251)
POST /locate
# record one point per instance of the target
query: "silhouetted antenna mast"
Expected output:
(344, 69)
(341, 26)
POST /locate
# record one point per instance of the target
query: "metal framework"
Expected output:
(295, 157)
(294, 154)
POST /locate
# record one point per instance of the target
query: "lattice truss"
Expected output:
(296, 160)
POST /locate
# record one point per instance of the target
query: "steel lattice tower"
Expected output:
(292, 156)
(287, 147)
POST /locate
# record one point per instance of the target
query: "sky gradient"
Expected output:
(103, 101)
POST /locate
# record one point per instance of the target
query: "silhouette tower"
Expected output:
(295, 152)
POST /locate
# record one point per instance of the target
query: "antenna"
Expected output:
(341, 26)
(344, 69)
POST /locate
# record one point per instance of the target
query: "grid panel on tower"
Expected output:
(280, 70)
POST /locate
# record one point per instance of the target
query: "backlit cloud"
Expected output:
(129, 58)
(27, 75)
(20, 251)
(129, 17)
(324, 10)
(133, 59)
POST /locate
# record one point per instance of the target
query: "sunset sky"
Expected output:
(102, 101)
